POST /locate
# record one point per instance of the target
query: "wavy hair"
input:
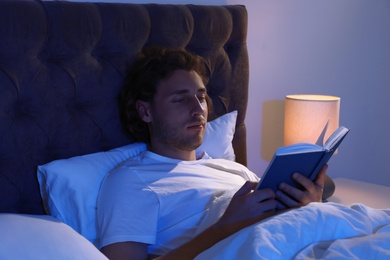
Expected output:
(151, 66)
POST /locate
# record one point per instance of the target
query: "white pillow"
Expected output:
(218, 137)
(69, 187)
(42, 237)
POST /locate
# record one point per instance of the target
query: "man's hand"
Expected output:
(248, 206)
(312, 192)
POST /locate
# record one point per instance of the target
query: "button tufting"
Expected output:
(62, 64)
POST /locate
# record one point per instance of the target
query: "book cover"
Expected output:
(304, 158)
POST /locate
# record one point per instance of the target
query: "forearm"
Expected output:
(210, 237)
(200, 243)
(245, 208)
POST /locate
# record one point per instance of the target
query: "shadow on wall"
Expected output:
(272, 128)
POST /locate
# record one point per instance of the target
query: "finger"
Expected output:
(293, 196)
(248, 186)
(312, 187)
(320, 179)
(261, 195)
(291, 191)
(286, 200)
(280, 205)
(302, 180)
(260, 208)
(268, 205)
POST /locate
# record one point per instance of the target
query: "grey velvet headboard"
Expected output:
(61, 66)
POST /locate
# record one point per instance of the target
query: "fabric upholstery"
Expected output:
(61, 67)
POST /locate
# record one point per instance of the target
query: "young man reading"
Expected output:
(151, 204)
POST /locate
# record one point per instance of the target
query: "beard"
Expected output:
(172, 137)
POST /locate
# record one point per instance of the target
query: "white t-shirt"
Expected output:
(160, 201)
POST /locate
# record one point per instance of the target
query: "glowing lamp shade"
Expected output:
(307, 115)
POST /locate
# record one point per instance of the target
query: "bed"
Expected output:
(61, 66)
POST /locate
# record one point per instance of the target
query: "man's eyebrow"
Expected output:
(185, 91)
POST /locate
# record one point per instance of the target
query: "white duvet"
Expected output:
(316, 231)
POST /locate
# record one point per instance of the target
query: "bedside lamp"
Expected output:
(305, 118)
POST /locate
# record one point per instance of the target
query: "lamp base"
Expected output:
(329, 188)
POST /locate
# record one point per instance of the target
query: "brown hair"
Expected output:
(150, 67)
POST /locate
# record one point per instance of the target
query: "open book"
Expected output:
(304, 158)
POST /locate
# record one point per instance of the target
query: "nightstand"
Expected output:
(351, 191)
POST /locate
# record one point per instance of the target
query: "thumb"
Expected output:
(248, 187)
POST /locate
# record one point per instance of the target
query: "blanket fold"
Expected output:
(316, 231)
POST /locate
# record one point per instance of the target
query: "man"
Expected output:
(152, 204)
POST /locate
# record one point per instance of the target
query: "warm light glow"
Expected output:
(307, 115)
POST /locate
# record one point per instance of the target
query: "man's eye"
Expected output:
(179, 100)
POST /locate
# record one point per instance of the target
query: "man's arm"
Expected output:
(246, 208)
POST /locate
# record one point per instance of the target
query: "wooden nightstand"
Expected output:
(350, 191)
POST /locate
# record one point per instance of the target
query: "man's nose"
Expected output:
(198, 106)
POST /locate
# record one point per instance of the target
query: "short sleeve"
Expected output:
(127, 209)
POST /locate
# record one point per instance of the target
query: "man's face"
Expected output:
(179, 112)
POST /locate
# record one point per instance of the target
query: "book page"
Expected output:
(335, 137)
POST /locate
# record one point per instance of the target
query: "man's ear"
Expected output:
(143, 109)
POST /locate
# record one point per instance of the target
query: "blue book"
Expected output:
(304, 158)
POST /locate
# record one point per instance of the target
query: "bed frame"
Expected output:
(61, 67)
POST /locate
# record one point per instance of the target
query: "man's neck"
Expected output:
(173, 153)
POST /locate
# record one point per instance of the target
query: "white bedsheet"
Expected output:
(316, 231)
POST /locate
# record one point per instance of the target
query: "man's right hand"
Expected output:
(247, 207)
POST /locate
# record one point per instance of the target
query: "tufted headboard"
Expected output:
(61, 67)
